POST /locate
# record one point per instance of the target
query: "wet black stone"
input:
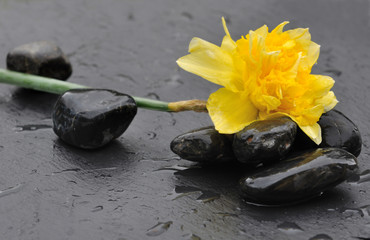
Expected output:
(264, 141)
(91, 118)
(43, 58)
(299, 177)
(337, 131)
(204, 145)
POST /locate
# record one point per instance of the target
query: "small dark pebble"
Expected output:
(264, 141)
(91, 118)
(43, 58)
(204, 145)
(337, 131)
(299, 177)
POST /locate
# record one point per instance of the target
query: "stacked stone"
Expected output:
(283, 165)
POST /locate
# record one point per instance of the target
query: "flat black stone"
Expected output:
(204, 145)
(299, 177)
(264, 141)
(43, 58)
(91, 118)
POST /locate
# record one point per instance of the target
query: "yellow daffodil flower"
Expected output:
(264, 75)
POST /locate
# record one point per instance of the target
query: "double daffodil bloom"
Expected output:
(264, 75)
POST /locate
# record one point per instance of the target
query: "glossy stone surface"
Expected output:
(204, 145)
(43, 58)
(337, 131)
(264, 141)
(340, 132)
(91, 118)
(299, 177)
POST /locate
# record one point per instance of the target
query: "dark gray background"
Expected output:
(52, 191)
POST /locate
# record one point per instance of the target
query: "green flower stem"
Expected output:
(55, 86)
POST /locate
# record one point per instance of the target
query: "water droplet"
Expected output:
(321, 237)
(335, 72)
(174, 81)
(31, 127)
(158, 229)
(187, 15)
(151, 135)
(191, 236)
(365, 211)
(68, 170)
(225, 214)
(125, 78)
(289, 228)
(175, 167)
(11, 190)
(153, 95)
(181, 191)
(97, 208)
(350, 212)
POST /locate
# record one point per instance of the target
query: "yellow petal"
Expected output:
(319, 86)
(313, 53)
(313, 132)
(262, 31)
(302, 35)
(212, 63)
(279, 28)
(228, 44)
(230, 111)
(328, 101)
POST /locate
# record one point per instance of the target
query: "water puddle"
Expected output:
(290, 228)
(31, 127)
(158, 229)
(11, 190)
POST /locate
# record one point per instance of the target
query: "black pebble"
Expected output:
(337, 131)
(204, 145)
(299, 177)
(264, 141)
(91, 118)
(43, 58)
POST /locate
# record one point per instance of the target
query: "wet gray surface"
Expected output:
(136, 188)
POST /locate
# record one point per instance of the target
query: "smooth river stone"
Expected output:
(337, 131)
(91, 118)
(340, 132)
(43, 58)
(264, 141)
(204, 145)
(299, 177)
